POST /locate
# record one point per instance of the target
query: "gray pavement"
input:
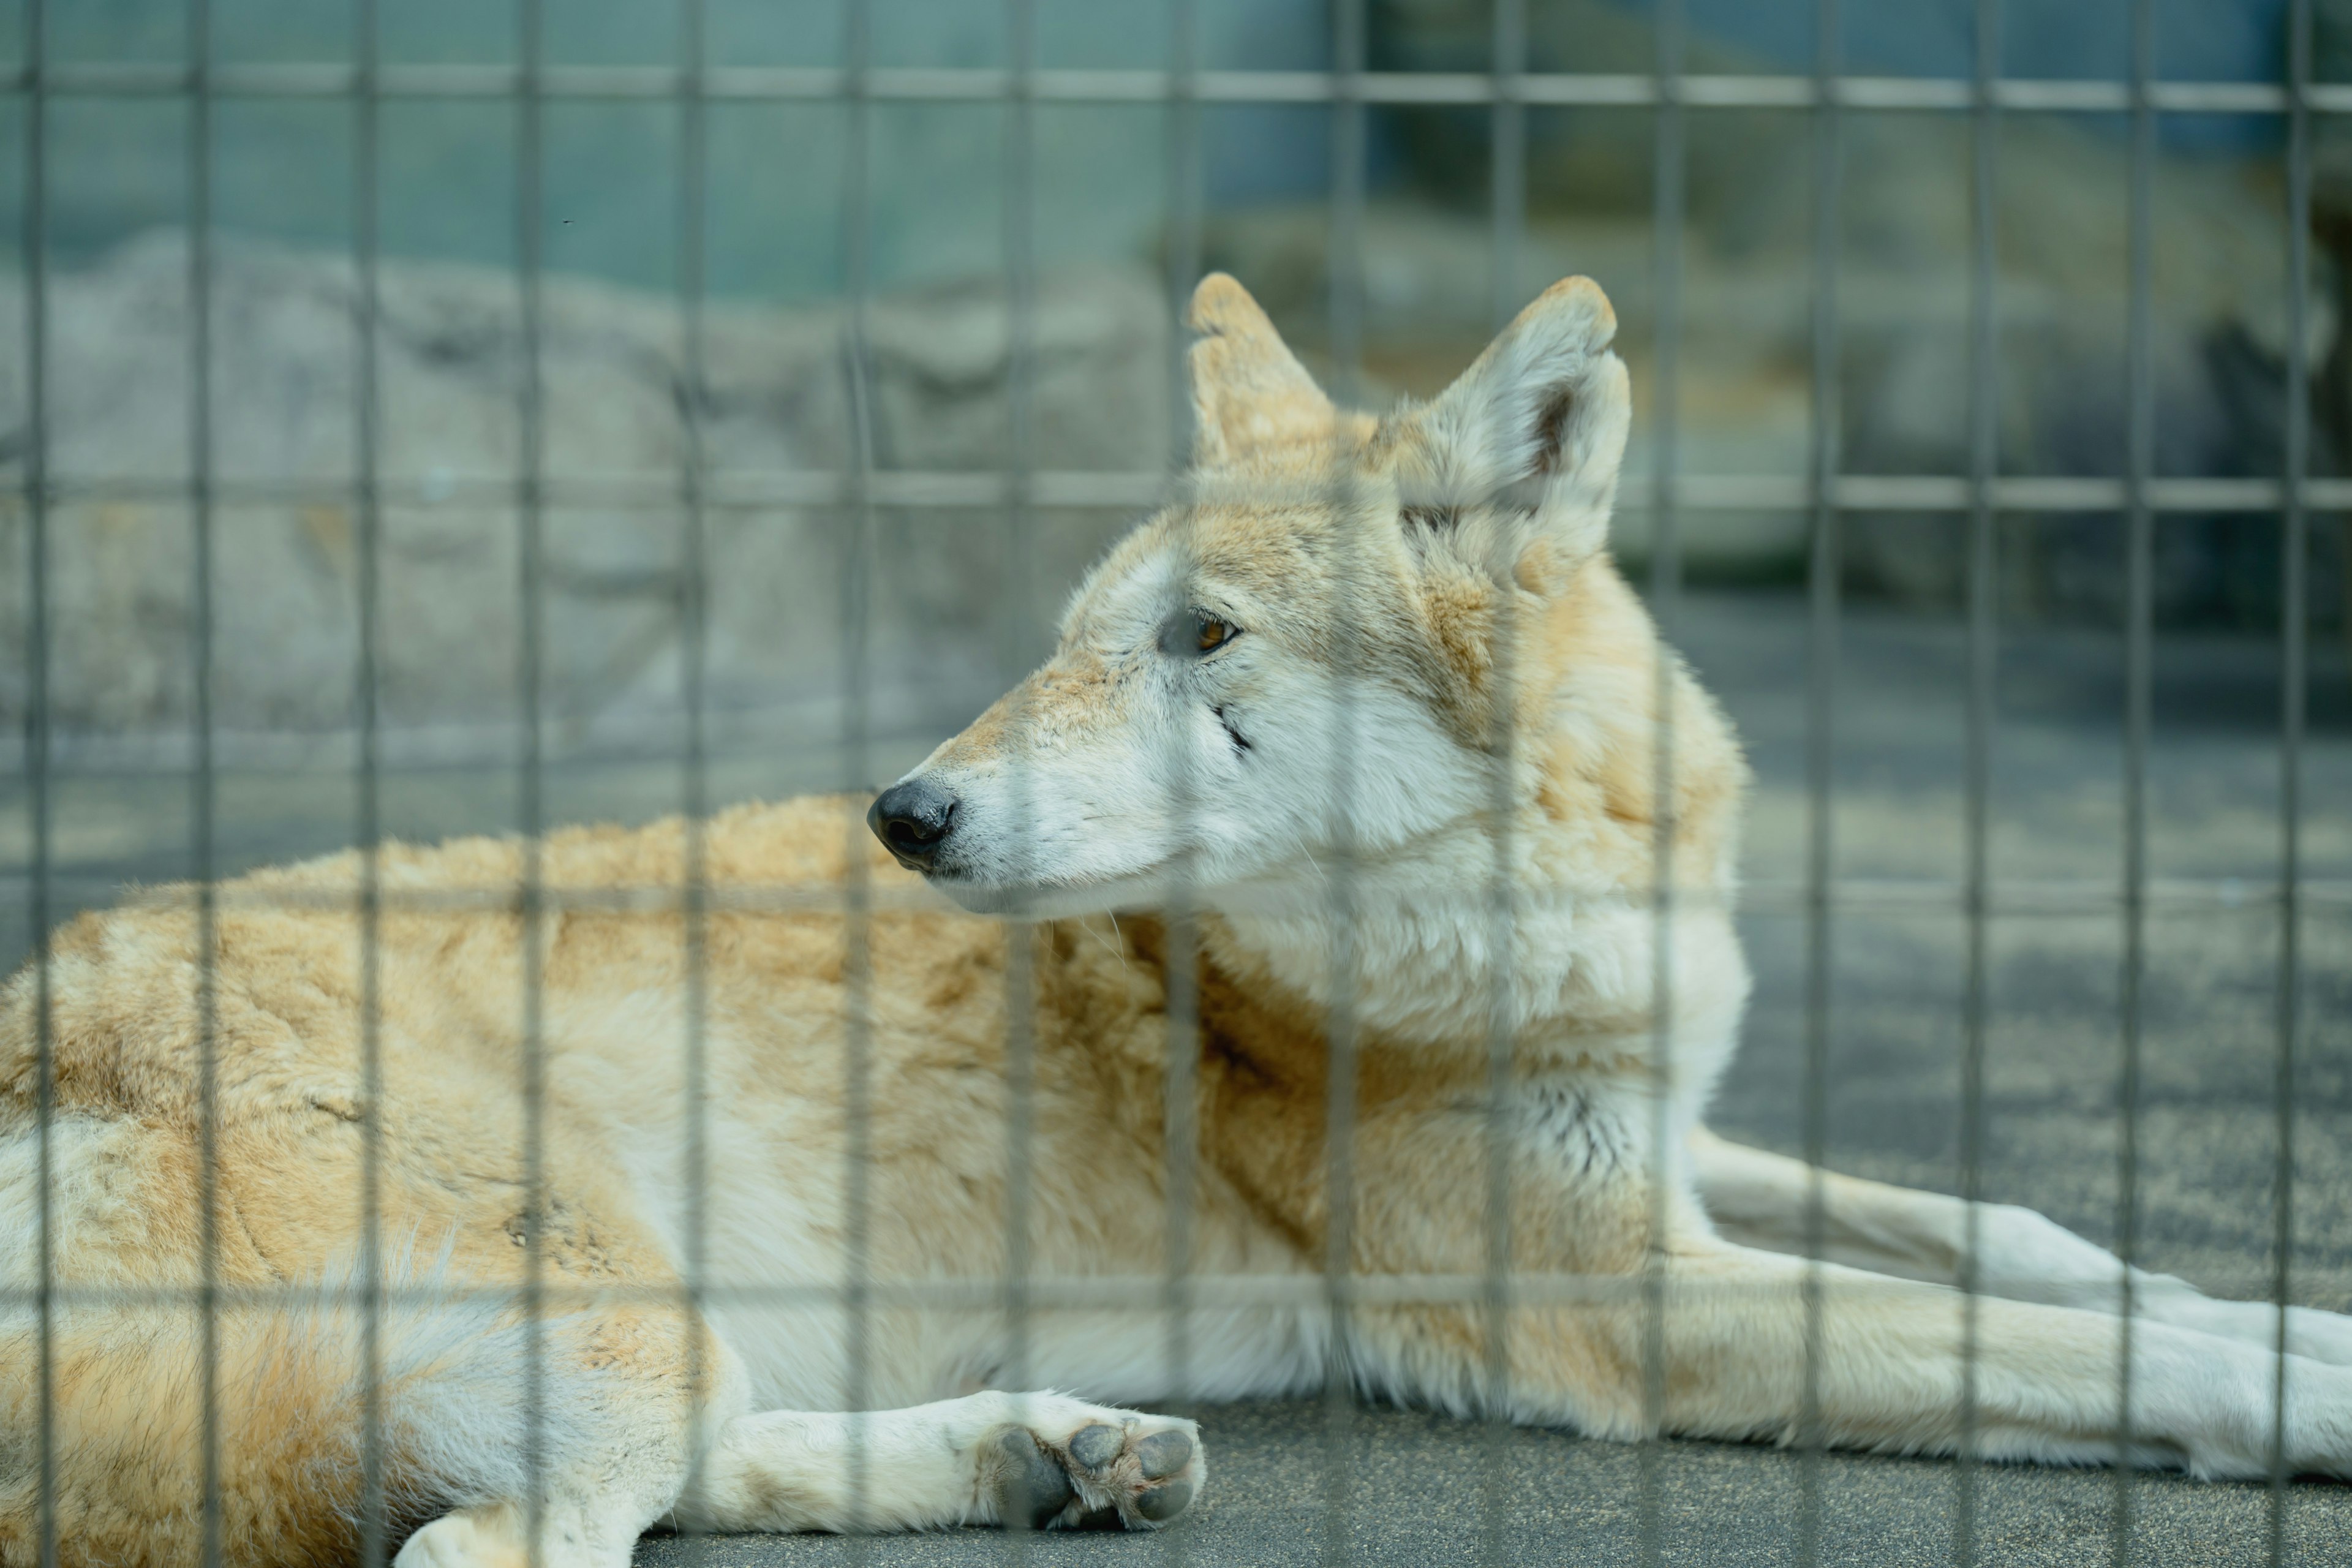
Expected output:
(1416, 1489)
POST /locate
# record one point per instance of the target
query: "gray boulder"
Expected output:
(773, 409)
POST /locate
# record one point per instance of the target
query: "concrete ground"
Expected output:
(1419, 1491)
(1408, 1488)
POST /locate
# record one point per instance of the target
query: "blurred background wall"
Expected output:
(954, 579)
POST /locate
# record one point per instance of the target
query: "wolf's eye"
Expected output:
(1196, 633)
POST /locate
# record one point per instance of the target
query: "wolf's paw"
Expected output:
(493, 1536)
(1069, 1466)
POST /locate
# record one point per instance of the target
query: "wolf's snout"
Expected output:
(913, 818)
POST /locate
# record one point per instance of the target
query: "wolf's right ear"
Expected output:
(1529, 438)
(1249, 392)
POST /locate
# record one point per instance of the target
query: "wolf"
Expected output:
(1369, 864)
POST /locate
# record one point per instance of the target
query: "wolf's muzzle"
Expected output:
(913, 818)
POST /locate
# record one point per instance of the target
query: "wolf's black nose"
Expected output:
(913, 818)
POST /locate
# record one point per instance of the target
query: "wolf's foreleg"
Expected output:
(987, 1459)
(1763, 1199)
(574, 1532)
(1891, 1360)
(566, 1467)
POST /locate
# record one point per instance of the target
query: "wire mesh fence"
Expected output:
(861, 1314)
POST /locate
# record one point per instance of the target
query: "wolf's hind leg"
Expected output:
(1761, 1200)
(1043, 1459)
(1894, 1363)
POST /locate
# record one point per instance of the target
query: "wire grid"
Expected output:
(1507, 90)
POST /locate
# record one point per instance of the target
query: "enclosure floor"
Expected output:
(1416, 1492)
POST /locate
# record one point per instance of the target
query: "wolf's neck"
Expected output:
(1580, 960)
(1435, 950)
(1558, 937)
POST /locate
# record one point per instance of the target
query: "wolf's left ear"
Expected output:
(1528, 442)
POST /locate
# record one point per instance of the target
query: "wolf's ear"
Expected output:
(1248, 391)
(1524, 449)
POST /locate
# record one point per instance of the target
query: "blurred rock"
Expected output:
(617, 404)
(2219, 304)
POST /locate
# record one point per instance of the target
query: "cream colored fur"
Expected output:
(1435, 691)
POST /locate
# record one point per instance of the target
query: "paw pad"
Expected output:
(1096, 1446)
(1032, 1487)
(1117, 1471)
(1161, 1454)
(1161, 1504)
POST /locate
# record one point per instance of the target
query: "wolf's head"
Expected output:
(1323, 649)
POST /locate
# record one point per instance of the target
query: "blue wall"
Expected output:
(283, 168)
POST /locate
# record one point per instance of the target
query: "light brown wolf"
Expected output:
(1372, 702)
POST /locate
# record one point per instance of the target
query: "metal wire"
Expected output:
(202, 780)
(2293, 680)
(1696, 91)
(856, 600)
(531, 612)
(1096, 490)
(694, 632)
(374, 1524)
(2014, 898)
(1180, 1110)
(1667, 199)
(1020, 933)
(1507, 152)
(1507, 155)
(1124, 1292)
(1984, 464)
(37, 891)
(1348, 170)
(1823, 567)
(2139, 545)
(1345, 283)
